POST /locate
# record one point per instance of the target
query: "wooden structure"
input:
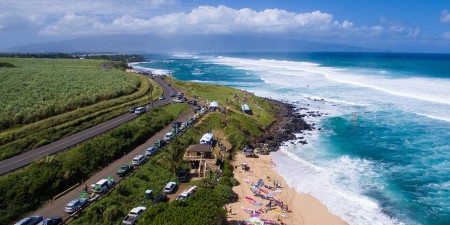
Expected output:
(200, 155)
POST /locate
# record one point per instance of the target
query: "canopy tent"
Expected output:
(207, 138)
(213, 105)
(246, 109)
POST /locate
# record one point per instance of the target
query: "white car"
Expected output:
(72, 206)
(151, 150)
(168, 136)
(169, 187)
(138, 160)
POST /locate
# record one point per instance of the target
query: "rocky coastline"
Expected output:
(288, 123)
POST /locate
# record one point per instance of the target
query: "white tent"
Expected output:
(207, 138)
(213, 105)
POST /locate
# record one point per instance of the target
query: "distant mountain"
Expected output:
(191, 43)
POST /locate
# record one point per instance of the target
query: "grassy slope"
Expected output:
(240, 131)
(39, 88)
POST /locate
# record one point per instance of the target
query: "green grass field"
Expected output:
(39, 88)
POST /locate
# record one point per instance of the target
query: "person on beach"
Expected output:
(230, 210)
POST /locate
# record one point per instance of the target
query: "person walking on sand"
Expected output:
(230, 210)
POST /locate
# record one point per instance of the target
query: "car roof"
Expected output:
(137, 209)
(73, 202)
(170, 184)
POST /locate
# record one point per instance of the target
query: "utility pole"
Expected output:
(151, 97)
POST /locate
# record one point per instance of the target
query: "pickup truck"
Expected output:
(134, 215)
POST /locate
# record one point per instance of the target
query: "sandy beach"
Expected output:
(301, 208)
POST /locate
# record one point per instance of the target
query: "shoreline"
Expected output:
(301, 208)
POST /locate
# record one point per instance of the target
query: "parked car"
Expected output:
(183, 174)
(159, 198)
(102, 185)
(32, 220)
(177, 100)
(169, 187)
(134, 215)
(176, 124)
(161, 97)
(192, 102)
(138, 160)
(151, 150)
(168, 136)
(160, 143)
(133, 109)
(56, 220)
(124, 170)
(72, 206)
(187, 193)
(172, 94)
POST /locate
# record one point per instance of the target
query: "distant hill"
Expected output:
(166, 44)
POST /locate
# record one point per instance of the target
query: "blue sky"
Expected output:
(412, 25)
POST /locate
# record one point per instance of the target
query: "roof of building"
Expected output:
(199, 148)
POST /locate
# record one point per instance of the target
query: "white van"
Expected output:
(139, 110)
(138, 160)
(168, 136)
(102, 185)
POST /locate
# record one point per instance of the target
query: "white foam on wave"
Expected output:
(153, 71)
(426, 89)
(420, 95)
(446, 119)
(325, 184)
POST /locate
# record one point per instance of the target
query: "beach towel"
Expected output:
(248, 210)
(248, 181)
(279, 212)
(269, 221)
(250, 200)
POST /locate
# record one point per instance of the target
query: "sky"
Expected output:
(393, 25)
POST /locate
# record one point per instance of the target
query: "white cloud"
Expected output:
(206, 20)
(445, 17)
(446, 36)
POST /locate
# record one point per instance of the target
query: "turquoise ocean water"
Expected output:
(389, 166)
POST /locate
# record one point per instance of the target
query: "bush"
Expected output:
(224, 193)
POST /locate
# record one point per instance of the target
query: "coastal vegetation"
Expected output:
(206, 206)
(28, 188)
(23, 137)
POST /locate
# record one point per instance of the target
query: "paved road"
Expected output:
(26, 158)
(56, 208)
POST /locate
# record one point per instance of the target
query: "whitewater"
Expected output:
(381, 156)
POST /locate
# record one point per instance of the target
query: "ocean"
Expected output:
(382, 155)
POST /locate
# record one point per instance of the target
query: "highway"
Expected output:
(26, 158)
